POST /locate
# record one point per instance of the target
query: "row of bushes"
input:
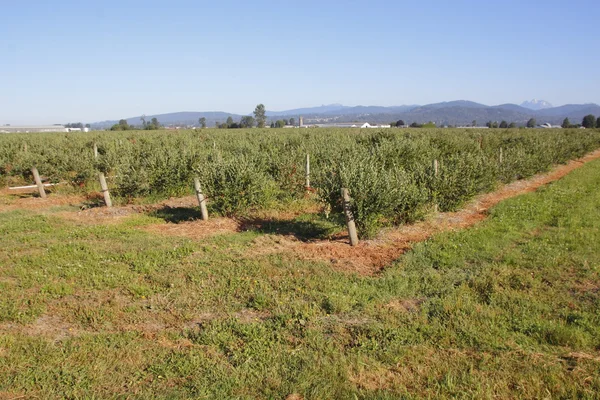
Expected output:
(389, 173)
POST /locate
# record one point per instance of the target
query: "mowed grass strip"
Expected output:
(507, 309)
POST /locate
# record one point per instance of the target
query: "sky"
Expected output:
(78, 61)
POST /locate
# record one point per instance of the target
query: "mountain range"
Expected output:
(460, 112)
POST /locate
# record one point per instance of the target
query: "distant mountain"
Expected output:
(338, 109)
(308, 111)
(461, 112)
(514, 107)
(450, 104)
(178, 118)
(536, 104)
(575, 112)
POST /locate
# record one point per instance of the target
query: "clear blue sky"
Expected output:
(89, 61)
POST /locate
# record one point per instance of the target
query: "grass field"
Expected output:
(507, 309)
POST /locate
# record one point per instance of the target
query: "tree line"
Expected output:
(259, 120)
(123, 125)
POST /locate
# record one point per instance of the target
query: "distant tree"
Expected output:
(88, 126)
(503, 125)
(598, 123)
(474, 123)
(285, 121)
(272, 124)
(229, 121)
(121, 126)
(292, 122)
(248, 122)
(154, 124)
(400, 123)
(512, 125)
(589, 121)
(143, 119)
(279, 123)
(415, 125)
(202, 122)
(531, 123)
(260, 115)
(489, 124)
(566, 123)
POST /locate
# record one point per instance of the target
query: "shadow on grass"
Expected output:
(304, 228)
(176, 215)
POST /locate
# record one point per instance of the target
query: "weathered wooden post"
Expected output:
(201, 199)
(25, 147)
(435, 176)
(349, 218)
(95, 150)
(38, 182)
(501, 158)
(307, 170)
(105, 191)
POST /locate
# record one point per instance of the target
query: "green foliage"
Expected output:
(235, 186)
(260, 116)
(589, 121)
(388, 172)
(531, 123)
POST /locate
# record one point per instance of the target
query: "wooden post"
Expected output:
(349, 218)
(436, 171)
(38, 182)
(95, 150)
(105, 191)
(201, 199)
(307, 183)
(501, 155)
(25, 147)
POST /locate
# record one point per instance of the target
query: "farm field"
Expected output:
(142, 302)
(390, 173)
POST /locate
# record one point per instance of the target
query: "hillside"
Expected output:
(460, 112)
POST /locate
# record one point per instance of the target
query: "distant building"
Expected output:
(362, 125)
(547, 125)
(34, 128)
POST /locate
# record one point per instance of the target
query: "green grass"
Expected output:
(507, 309)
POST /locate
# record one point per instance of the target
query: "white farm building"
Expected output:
(39, 128)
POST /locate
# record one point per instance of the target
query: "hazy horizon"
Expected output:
(71, 62)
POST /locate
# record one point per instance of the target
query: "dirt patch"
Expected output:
(48, 326)
(195, 229)
(37, 203)
(405, 305)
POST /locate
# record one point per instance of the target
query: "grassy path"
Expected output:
(509, 308)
